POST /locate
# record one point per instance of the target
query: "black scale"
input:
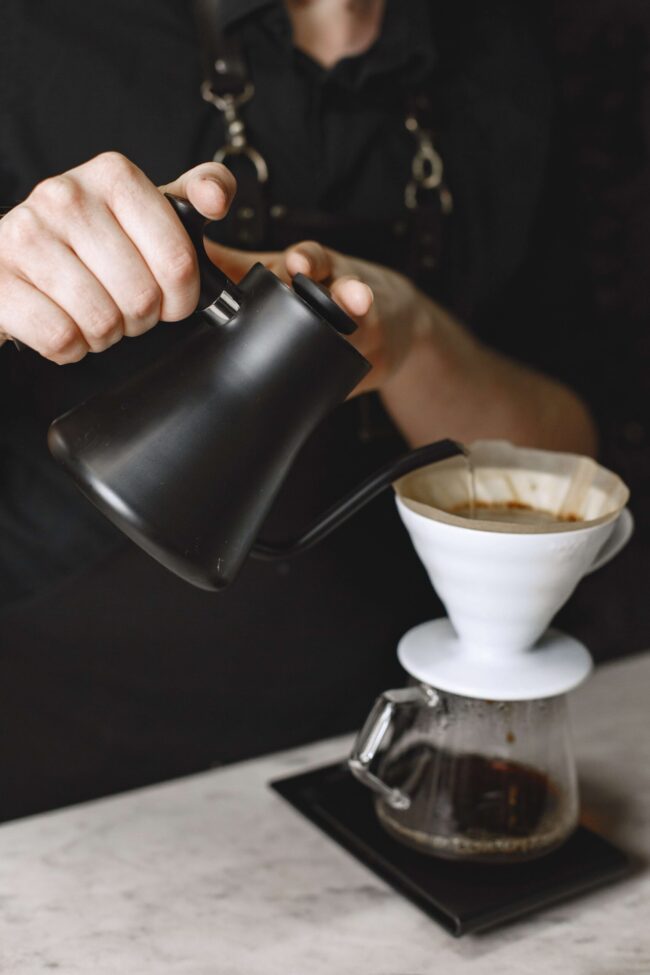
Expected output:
(461, 897)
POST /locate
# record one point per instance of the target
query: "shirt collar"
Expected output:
(230, 11)
(404, 46)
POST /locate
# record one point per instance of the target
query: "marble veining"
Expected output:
(216, 875)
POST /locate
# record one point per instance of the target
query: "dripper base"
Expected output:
(433, 654)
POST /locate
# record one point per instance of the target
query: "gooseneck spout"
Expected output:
(358, 497)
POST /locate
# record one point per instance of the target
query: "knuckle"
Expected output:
(60, 342)
(75, 354)
(114, 165)
(181, 268)
(58, 193)
(21, 228)
(145, 305)
(104, 323)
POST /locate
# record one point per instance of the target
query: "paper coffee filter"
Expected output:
(561, 483)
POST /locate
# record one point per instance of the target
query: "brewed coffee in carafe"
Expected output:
(492, 781)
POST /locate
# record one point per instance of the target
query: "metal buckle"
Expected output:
(257, 159)
(226, 102)
(237, 144)
(427, 169)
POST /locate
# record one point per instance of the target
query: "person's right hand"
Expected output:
(97, 253)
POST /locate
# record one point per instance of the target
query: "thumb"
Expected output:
(355, 297)
(234, 263)
(210, 187)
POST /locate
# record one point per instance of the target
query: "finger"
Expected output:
(116, 263)
(354, 296)
(54, 269)
(309, 258)
(148, 233)
(210, 187)
(34, 319)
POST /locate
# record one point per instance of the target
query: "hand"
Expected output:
(384, 304)
(98, 253)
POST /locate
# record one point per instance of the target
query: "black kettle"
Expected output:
(187, 456)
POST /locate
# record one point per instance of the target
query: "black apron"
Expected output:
(119, 674)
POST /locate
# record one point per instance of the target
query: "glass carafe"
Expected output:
(470, 779)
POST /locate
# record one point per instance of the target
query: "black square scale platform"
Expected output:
(462, 897)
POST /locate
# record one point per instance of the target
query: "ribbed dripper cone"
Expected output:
(502, 582)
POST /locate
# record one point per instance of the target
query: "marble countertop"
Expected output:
(216, 875)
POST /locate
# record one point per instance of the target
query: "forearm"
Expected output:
(451, 385)
(3, 211)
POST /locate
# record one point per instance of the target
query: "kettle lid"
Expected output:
(319, 300)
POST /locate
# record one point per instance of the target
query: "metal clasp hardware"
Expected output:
(427, 169)
(223, 309)
(236, 141)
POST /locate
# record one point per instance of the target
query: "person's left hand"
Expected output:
(382, 302)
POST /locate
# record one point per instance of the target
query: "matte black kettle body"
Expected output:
(187, 457)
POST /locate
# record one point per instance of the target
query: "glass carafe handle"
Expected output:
(374, 731)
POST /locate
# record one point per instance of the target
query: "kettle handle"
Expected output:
(375, 729)
(358, 497)
(220, 297)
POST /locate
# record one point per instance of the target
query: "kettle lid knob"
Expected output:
(319, 300)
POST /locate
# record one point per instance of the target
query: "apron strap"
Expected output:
(227, 86)
(222, 62)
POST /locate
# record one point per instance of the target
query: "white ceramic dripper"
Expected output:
(503, 582)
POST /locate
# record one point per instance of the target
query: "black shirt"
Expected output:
(83, 79)
(115, 672)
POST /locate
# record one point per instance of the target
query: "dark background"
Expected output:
(580, 305)
(90, 712)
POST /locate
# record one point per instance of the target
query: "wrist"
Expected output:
(408, 324)
(439, 339)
